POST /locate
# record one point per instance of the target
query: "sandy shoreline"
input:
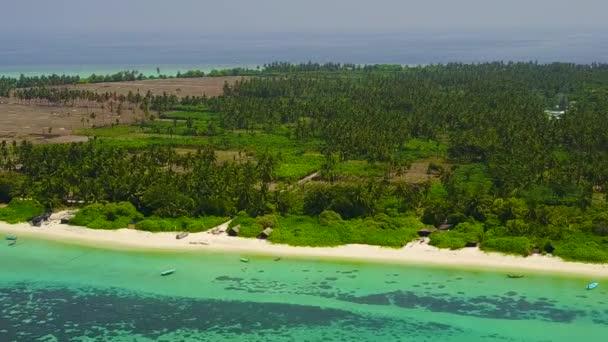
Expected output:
(413, 253)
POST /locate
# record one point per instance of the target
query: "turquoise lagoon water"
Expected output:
(57, 292)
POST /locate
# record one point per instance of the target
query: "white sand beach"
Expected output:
(413, 253)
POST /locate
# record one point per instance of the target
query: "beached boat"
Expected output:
(515, 276)
(244, 260)
(181, 235)
(167, 272)
(11, 237)
(593, 285)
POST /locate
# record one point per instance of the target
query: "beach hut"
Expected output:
(265, 234)
(234, 231)
(424, 232)
(132, 224)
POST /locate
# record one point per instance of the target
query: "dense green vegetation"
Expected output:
(107, 216)
(182, 224)
(20, 211)
(329, 229)
(507, 172)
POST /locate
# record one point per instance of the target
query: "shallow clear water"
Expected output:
(55, 292)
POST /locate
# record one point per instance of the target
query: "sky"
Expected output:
(250, 16)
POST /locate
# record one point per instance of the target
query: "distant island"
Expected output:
(507, 157)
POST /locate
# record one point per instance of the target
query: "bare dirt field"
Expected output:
(56, 124)
(210, 86)
(417, 173)
(53, 124)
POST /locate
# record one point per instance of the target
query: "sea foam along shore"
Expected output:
(412, 253)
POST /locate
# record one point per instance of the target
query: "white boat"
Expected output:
(593, 285)
(167, 272)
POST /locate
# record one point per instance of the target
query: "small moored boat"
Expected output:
(11, 238)
(278, 259)
(167, 272)
(12, 242)
(593, 285)
(515, 276)
(244, 260)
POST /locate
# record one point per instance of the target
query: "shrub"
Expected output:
(107, 216)
(187, 224)
(249, 226)
(267, 221)
(451, 240)
(20, 211)
(589, 251)
(511, 245)
(459, 236)
(381, 230)
(328, 217)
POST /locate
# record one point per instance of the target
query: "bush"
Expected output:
(582, 247)
(331, 230)
(107, 216)
(249, 226)
(328, 217)
(267, 221)
(451, 240)
(187, 224)
(511, 245)
(588, 251)
(459, 236)
(20, 211)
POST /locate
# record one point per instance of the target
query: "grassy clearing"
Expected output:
(360, 168)
(20, 211)
(419, 149)
(295, 167)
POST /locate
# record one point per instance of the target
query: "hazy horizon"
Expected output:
(79, 36)
(244, 16)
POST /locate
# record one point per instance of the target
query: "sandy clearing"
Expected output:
(181, 87)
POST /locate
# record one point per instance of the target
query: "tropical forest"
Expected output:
(510, 157)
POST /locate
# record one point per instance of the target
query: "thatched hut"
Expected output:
(265, 234)
(424, 232)
(234, 231)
